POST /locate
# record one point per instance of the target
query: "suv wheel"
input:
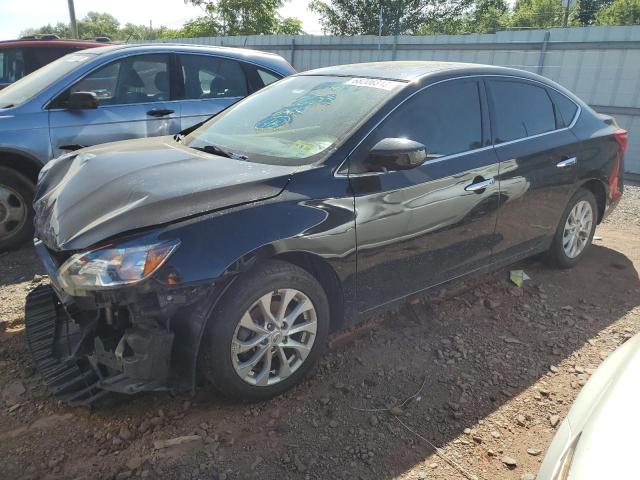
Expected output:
(267, 333)
(16, 211)
(575, 231)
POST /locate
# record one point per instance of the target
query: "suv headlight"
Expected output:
(113, 266)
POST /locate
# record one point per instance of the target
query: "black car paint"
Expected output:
(99, 193)
(337, 224)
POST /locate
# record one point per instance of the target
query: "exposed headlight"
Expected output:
(113, 266)
(562, 473)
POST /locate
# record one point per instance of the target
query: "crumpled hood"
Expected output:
(88, 196)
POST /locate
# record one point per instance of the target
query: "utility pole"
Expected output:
(72, 19)
(380, 28)
(566, 4)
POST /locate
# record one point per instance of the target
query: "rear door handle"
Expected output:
(479, 187)
(160, 112)
(567, 162)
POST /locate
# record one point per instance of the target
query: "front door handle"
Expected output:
(567, 162)
(479, 187)
(160, 112)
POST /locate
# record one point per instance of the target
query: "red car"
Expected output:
(21, 57)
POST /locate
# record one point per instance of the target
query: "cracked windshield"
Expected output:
(297, 120)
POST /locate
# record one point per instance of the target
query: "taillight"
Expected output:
(622, 137)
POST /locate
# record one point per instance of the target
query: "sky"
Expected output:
(18, 15)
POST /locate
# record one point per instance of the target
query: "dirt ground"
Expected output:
(484, 374)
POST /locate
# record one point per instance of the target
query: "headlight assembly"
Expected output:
(113, 266)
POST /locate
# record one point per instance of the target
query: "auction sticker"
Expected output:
(373, 83)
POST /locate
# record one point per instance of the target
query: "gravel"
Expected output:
(627, 213)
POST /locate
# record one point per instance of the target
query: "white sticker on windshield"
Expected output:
(75, 58)
(373, 83)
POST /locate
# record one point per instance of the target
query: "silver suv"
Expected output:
(108, 94)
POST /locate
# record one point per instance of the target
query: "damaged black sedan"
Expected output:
(234, 249)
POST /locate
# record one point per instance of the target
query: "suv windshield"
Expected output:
(29, 86)
(296, 121)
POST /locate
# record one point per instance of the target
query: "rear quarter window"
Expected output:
(566, 109)
(267, 77)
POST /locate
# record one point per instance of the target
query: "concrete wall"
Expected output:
(600, 64)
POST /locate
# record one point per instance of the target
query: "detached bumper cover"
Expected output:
(139, 362)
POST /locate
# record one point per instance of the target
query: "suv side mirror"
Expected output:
(396, 154)
(82, 101)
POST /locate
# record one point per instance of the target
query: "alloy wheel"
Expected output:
(13, 212)
(577, 229)
(274, 337)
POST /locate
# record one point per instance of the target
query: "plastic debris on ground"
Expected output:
(518, 277)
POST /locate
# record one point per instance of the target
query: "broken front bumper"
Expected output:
(73, 360)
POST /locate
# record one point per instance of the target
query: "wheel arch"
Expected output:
(21, 162)
(324, 273)
(314, 264)
(599, 190)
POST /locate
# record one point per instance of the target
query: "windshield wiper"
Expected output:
(8, 106)
(221, 152)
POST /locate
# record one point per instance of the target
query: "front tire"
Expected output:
(16, 210)
(267, 333)
(575, 231)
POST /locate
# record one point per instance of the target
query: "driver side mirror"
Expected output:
(82, 101)
(392, 154)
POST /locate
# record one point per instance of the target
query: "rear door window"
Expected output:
(520, 110)
(207, 76)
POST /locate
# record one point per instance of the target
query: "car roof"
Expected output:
(406, 71)
(181, 47)
(43, 43)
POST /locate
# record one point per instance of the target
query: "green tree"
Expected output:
(131, 31)
(289, 26)
(362, 17)
(204, 26)
(240, 17)
(96, 24)
(487, 16)
(585, 14)
(537, 14)
(60, 29)
(620, 12)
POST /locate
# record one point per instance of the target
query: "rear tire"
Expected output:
(16, 209)
(240, 332)
(575, 231)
